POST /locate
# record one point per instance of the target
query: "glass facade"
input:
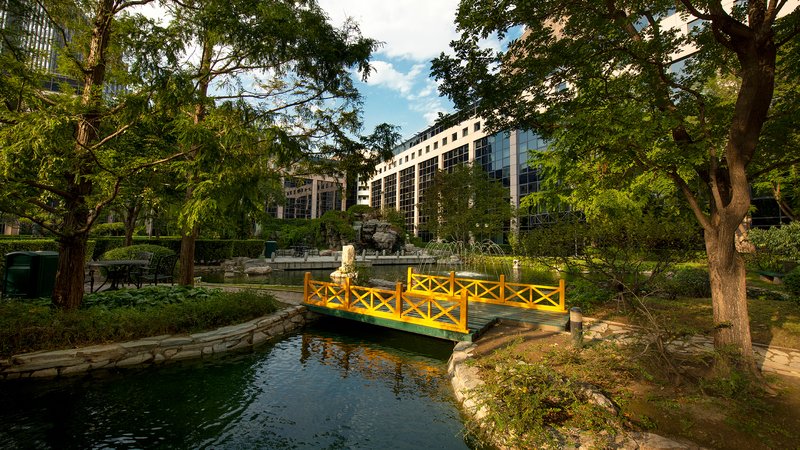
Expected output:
(390, 191)
(377, 188)
(407, 203)
(427, 172)
(455, 157)
(329, 197)
(493, 154)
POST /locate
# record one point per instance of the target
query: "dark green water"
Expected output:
(335, 385)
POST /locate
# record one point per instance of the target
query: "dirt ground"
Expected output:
(692, 410)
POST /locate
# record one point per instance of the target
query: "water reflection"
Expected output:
(328, 387)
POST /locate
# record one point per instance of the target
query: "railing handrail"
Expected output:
(432, 309)
(492, 291)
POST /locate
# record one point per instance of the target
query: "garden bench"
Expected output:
(771, 277)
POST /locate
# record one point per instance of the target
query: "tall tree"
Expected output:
(465, 204)
(601, 80)
(270, 86)
(58, 139)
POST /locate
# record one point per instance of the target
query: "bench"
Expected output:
(771, 277)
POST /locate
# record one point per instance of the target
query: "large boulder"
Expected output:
(379, 235)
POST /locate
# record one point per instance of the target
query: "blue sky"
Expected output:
(400, 90)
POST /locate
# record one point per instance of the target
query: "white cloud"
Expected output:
(411, 29)
(385, 74)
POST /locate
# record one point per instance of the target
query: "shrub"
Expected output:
(18, 245)
(773, 245)
(690, 282)
(125, 314)
(133, 252)
(587, 295)
(792, 281)
(109, 229)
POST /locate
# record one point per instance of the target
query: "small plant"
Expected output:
(792, 281)
(587, 295)
(689, 282)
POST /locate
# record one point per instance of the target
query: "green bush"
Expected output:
(133, 252)
(126, 314)
(774, 245)
(792, 281)
(587, 295)
(690, 282)
(109, 229)
(207, 251)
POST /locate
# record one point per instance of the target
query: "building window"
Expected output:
(455, 136)
(407, 203)
(455, 157)
(390, 191)
(419, 152)
(464, 132)
(477, 126)
(377, 188)
(435, 145)
(444, 141)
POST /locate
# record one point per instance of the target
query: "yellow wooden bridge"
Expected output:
(446, 307)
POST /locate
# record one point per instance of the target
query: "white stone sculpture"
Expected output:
(348, 267)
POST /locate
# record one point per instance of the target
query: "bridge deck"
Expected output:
(481, 316)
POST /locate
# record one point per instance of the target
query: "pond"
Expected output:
(390, 273)
(336, 384)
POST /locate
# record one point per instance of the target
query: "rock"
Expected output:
(258, 270)
(382, 284)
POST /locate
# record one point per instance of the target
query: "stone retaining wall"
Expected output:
(781, 360)
(155, 349)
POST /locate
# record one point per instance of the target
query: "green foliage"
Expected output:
(109, 229)
(133, 252)
(465, 203)
(775, 244)
(586, 295)
(527, 402)
(206, 250)
(362, 212)
(622, 255)
(123, 315)
(687, 282)
(335, 229)
(792, 282)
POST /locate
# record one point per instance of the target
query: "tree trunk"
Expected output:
(131, 215)
(729, 294)
(186, 261)
(68, 289)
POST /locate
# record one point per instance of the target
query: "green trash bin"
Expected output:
(44, 274)
(30, 274)
(18, 276)
(270, 247)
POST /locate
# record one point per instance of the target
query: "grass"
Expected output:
(113, 316)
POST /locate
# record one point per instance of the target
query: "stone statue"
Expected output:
(348, 267)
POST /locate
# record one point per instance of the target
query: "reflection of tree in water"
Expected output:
(404, 373)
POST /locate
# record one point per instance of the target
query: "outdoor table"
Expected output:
(116, 269)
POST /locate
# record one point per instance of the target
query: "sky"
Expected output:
(400, 90)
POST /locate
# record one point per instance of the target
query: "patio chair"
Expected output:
(161, 270)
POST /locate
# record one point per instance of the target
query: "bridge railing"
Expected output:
(430, 309)
(547, 298)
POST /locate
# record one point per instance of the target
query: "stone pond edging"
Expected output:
(154, 349)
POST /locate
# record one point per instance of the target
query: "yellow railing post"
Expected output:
(347, 293)
(398, 291)
(306, 282)
(502, 288)
(562, 290)
(410, 275)
(452, 283)
(464, 310)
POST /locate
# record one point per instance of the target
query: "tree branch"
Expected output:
(702, 218)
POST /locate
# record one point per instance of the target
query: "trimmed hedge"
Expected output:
(207, 251)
